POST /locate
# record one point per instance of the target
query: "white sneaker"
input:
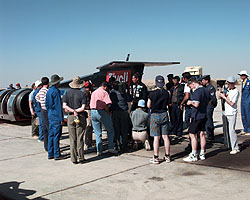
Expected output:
(234, 151)
(154, 160)
(202, 157)
(147, 145)
(191, 158)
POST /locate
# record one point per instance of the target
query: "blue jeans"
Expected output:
(40, 137)
(99, 117)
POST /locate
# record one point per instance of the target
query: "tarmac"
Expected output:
(26, 172)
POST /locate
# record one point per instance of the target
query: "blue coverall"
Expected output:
(245, 106)
(55, 115)
(37, 108)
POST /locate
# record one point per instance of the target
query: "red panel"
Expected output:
(121, 76)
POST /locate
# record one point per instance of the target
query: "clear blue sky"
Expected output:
(72, 37)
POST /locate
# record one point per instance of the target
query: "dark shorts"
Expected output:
(159, 124)
(197, 126)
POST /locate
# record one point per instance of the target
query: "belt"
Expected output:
(73, 113)
(139, 131)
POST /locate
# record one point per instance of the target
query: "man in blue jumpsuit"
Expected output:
(53, 105)
(37, 109)
(245, 101)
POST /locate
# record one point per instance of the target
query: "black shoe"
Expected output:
(59, 158)
(82, 161)
(210, 139)
(51, 157)
(75, 162)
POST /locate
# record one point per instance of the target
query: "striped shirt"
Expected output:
(41, 96)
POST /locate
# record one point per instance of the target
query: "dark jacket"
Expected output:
(138, 92)
(213, 99)
(180, 93)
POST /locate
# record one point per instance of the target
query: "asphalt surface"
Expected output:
(26, 173)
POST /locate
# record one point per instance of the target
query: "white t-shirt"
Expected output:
(31, 95)
(187, 88)
(233, 96)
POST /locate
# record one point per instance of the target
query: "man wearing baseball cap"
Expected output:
(231, 99)
(245, 101)
(158, 101)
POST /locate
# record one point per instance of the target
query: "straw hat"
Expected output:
(76, 83)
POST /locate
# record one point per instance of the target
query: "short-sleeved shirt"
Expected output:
(201, 96)
(31, 95)
(74, 98)
(233, 95)
(186, 88)
(119, 101)
(99, 99)
(159, 100)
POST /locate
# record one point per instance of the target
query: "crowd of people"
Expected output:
(131, 114)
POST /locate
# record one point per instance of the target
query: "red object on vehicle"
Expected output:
(121, 76)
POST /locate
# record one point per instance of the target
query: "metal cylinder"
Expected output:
(14, 104)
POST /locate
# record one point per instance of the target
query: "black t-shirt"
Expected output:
(74, 98)
(159, 100)
(201, 96)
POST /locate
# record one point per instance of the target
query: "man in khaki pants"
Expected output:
(74, 102)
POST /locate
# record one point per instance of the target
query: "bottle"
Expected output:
(76, 119)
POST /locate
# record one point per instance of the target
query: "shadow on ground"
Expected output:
(11, 190)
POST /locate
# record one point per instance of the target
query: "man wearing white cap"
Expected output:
(231, 99)
(37, 109)
(245, 101)
(35, 128)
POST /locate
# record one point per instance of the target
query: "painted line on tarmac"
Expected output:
(94, 180)
(33, 154)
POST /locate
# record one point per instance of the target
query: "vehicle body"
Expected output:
(14, 103)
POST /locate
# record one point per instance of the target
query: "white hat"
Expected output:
(141, 103)
(243, 72)
(37, 83)
(231, 79)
